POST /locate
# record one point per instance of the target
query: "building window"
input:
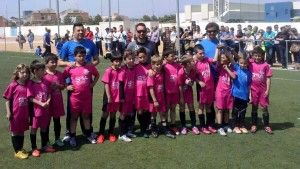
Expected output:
(286, 11)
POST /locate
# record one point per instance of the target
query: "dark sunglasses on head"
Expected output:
(140, 31)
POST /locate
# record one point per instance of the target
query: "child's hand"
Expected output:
(45, 104)
(225, 66)
(71, 64)
(151, 73)
(8, 116)
(70, 87)
(202, 84)
(189, 82)
(156, 104)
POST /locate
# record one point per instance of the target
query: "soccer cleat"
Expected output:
(195, 130)
(184, 131)
(21, 155)
(170, 134)
(244, 130)
(154, 133)
(48, 149)
(112, 138)
(175, 130)
(222, 132)
(237, 130)
(66, 138)
(228, 129)
(253, 129)
(204, 130)
(91, 139)
(59, 143)
(211, 129)
(36, 153)
(125, 138)
(73, 142)
(268, 130)
(100, 139)
(130, 134)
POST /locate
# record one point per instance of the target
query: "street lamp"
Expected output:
(19, 10)
(58, 18)
(177, 27)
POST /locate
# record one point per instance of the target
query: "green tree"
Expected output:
(146, 18)
(97, 19)
(79, 19)
(118, 18)
(167, 19)
(154, 18)
(68, 20)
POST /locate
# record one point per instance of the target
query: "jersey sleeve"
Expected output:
(181, 79)
(150, 81)
(8, 93)
(105, 78)
(269, 72)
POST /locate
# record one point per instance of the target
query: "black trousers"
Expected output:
(239, 111)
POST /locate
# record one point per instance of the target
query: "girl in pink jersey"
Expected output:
(171, 69)
(155, 83)
(57, 81)
(186, 78)
(260, 88)
(84, 77)
(142, 97)
(39, 93)
(224, 99)
(111, 98)
(205, 90)
(127, 116)
(17, 108)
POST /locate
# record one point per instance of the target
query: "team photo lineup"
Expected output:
(199, 84)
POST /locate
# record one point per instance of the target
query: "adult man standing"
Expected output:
(47, 42)
(67, 58)
(142, 41)
(155, 38)
(30, 38)
(98, 41)
(269, 36)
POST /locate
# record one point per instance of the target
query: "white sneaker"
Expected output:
(91, 139)
(222, 132)
(73, 142)
(125, 138)
(228, 129)
(66, 138)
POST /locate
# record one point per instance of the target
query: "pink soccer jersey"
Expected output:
(204, 74)
(141, 74)
(187, 89)
(41, 92)
(112, 78)
(157, 82)
(223, 95)
(56, 107)
(16, 94)
(81, 78)
(260, 72)
(171, 77)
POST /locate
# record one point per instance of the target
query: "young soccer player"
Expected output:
(111, 98)
(84, 77)
(17, 108)
(142, 97)
(186, 78)
(39, 93)
(240, 93)
(260, 88)
(205, 90)
(57, 83)
(155, 83)
(223, 97)
(127, 116)
(171, 69)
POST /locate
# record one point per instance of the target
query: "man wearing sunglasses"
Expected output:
(141, 40)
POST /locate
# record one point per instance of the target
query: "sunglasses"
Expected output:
(141, 31)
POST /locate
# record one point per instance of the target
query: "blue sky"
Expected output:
(131, 8)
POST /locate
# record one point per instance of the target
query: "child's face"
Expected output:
(129, 61)
(157, 66)
(39, 73)
(117, 63)
(243, 63)
(258, 57)
(142, 57)
(80, 58)
(200, 54)
(223, 59)
(190, 65)
(51, 65)
(23, 75)
(170, 58)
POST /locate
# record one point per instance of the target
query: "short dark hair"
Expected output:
(212, 25)
(185, 59)
(127, 52)
(36, 65)
(79, 50)
(167, 52)
(115, 55)
(140, 24)
(257, 49)
(51, 57)
(77, 24)
(141, 50)
(198, 47)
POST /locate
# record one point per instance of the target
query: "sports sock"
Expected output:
(193, 118)
(202, 120)
(112, 123)
(102, 125)
(182, 118)
(33, 141)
